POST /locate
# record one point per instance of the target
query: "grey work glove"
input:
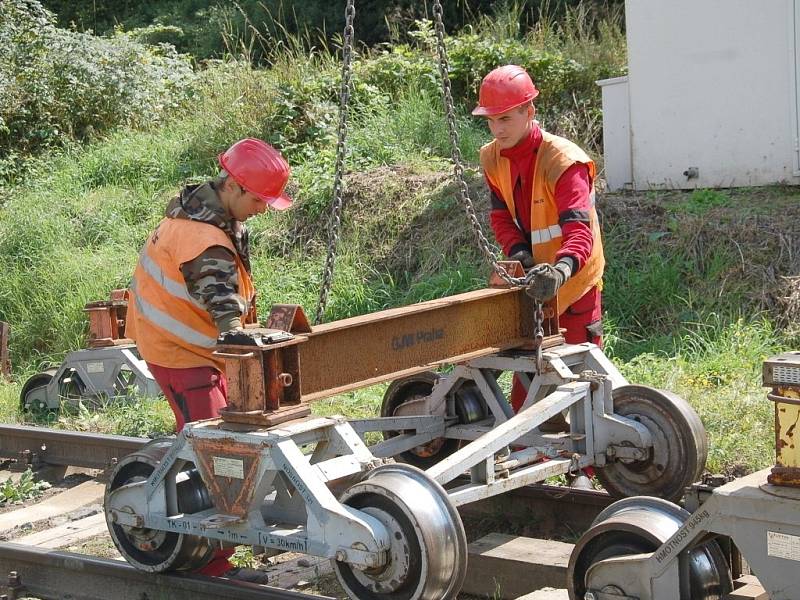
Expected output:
(240, 337)
(525, 257)
(546, 279)
(253, 337)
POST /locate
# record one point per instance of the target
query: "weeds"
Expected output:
(138, 417)
(23, 489)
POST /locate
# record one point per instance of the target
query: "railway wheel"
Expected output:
(678, 455)
(469, 408)
(33, 396)
(150, 549)
(427, 559)
(640, 525)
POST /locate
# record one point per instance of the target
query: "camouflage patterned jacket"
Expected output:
(211, 278)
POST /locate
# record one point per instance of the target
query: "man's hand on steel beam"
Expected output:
(546, 279)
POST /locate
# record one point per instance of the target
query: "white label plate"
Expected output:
(94, 367)
(782, 545)
(228, 467)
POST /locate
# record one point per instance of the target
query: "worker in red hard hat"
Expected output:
(542, 208)
(193, 283)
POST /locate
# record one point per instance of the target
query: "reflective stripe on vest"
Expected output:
(170, 324)
(554, 157)
(170, 286)
(542, 236)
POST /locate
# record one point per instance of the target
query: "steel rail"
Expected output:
(99, 451)
(37, 445)
(54, 575)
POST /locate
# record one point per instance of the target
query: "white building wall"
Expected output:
(616, 133)
(712, 85)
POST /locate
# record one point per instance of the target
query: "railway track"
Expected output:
(47, 573)
(42, 446)
(38, 445)
(42, 572)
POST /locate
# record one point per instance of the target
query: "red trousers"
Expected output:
(582, 322)
(194, 394)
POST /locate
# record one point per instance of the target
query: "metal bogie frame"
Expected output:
(762, 520)
(288, 504)
(314, 486)
(567, 382)
(99, 374)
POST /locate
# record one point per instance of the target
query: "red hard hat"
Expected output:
(259, 169)
(504, 88)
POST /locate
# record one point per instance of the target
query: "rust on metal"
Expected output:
(229, 470)
(513, 268)
(71, 448)
(271, 383)
(107, 320)
(786, 471)
(5, 360)
(352, 353)
(263, 383)
(288, 317)
(52, 574)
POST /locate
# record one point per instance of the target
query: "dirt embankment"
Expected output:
(408, 221)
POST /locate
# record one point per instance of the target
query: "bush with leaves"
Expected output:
(58, 85)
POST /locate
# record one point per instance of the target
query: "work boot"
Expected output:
(247, 575)
(555, 424)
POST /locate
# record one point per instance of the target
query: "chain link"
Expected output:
(335, 222)
(538, 335)
(485, 246)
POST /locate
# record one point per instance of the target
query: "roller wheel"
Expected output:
(153, 550)
(641, 525)
(427, 559)
(679, 451)
(73, 390)
(415, 387)
(32, 397)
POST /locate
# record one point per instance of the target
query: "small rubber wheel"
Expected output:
(31, 397)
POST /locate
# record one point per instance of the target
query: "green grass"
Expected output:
(139, 417)
(687, 279)
(716, 367)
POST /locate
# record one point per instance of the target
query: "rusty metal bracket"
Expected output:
(288, 317)
(107, 320)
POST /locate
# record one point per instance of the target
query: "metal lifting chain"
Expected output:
(461, 186)
(334, 225)
(485, 246)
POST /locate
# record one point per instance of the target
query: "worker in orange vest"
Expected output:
(542, 208)
(193, 283)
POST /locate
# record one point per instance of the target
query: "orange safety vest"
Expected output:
(555, 155)
(172, 329)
